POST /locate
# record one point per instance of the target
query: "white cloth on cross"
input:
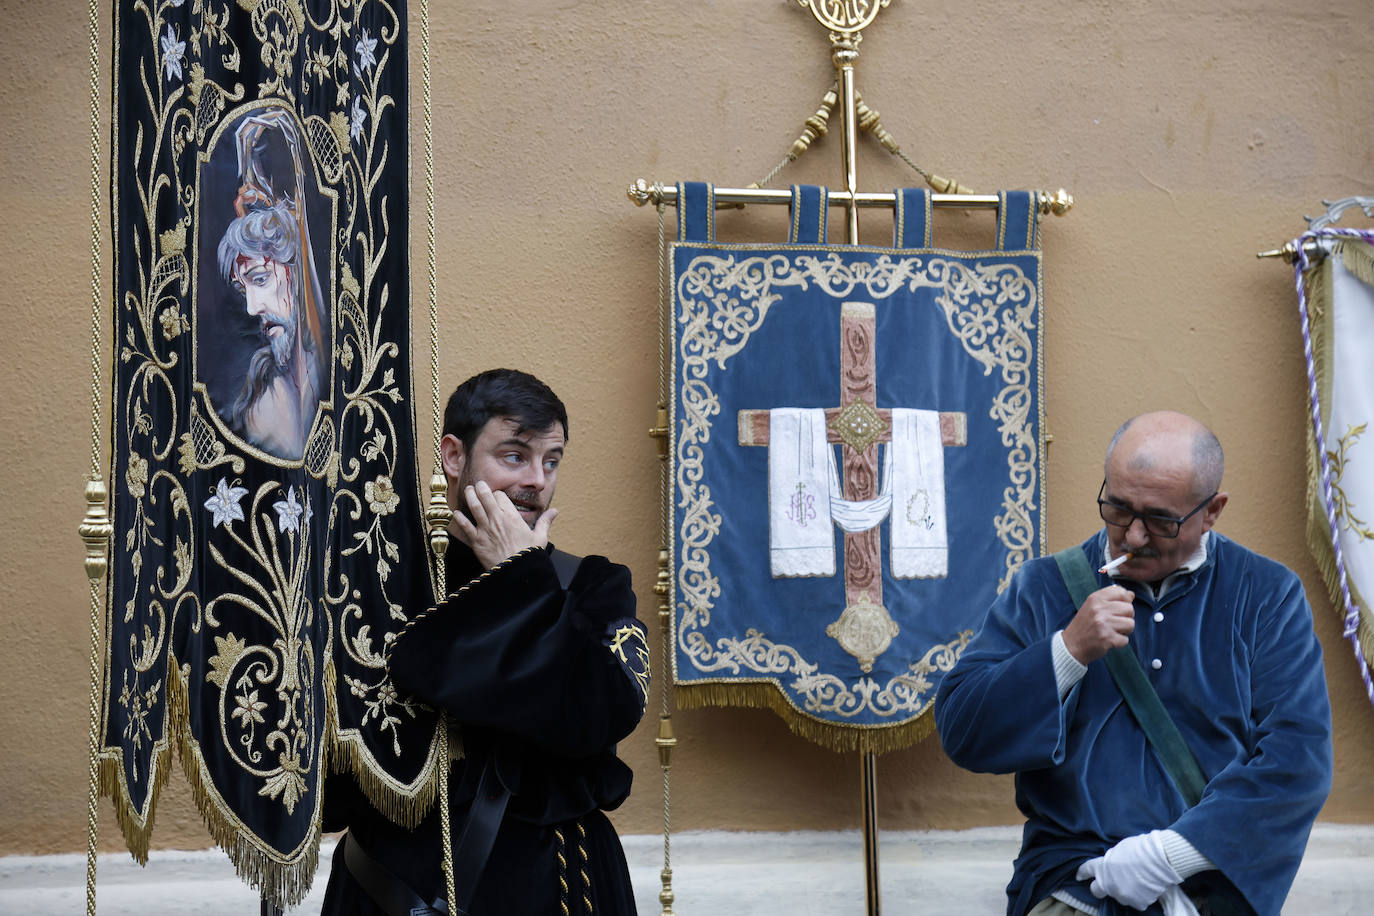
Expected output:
(916, 475)
(805, 498)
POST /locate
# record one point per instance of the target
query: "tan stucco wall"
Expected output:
(1192, 135)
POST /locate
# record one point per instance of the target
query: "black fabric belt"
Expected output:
(473, 848)
(389, 892)
(470, 854)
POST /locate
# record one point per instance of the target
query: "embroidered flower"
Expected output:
(172, 322)
(225, 503)
(289, 512)
(136, 477)
(366, 57)
(173, 52)
(249, 708)
(381, 496)
(355, 129)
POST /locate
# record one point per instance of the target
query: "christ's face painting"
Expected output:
(268, 296)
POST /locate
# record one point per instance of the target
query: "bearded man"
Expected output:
(539, 659)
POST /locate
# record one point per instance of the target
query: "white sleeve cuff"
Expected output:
(1067, 669)
(1184, 856)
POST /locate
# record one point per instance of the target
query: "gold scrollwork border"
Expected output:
(720, 300)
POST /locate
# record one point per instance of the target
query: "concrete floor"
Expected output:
(760, 874)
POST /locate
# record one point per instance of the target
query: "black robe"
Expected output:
(545, 682)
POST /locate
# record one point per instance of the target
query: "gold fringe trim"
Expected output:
(137, 828)
(404, 805)
(1358, 258)
(284, 882)
(878, 739)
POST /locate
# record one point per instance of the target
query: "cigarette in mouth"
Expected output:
(1108, 567)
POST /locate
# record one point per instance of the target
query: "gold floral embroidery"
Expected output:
(1345, 509)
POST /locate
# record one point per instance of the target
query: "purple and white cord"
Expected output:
(1300, 267)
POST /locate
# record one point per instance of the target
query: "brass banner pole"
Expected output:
(95, 528)
(845, 23)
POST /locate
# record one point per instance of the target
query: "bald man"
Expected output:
(1224, 637)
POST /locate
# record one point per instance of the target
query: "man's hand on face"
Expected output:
(1103, 623)
(496, 530)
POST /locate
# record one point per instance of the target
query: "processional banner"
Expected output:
(857, 436)
(1337, 302)
(268, 535)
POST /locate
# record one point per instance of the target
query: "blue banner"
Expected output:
(857, 437)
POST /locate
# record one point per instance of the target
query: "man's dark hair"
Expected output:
(502, 393)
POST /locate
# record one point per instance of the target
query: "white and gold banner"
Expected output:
(1336, 296)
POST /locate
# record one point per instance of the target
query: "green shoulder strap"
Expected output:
(1135, 687)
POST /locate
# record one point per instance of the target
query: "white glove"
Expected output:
(1176, 903)
(1135, 871)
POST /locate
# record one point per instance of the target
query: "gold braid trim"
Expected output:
(582, 858)
(877, 739)
(451, 595)
(562, 871)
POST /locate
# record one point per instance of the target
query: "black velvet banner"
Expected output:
(268, 524)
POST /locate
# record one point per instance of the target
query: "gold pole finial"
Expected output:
(95, 529)
(438, 515)
(642, 192)
(1289, 252)
(846, 18)
(1058, 203)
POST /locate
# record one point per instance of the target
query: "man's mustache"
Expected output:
(521, 499)
(526, 499)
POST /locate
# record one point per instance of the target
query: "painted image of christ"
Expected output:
(260, 257)
(264, 352)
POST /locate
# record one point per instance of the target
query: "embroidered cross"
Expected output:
(865, 629)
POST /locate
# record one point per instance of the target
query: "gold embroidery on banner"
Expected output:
(1358, 258)
(989, 307)
(201, 448)
(1345, 510)
(859, 425)
(277, 25)
(865, 630)
(284, 753)
(267, 720)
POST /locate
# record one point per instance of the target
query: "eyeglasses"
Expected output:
(1162, 526)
